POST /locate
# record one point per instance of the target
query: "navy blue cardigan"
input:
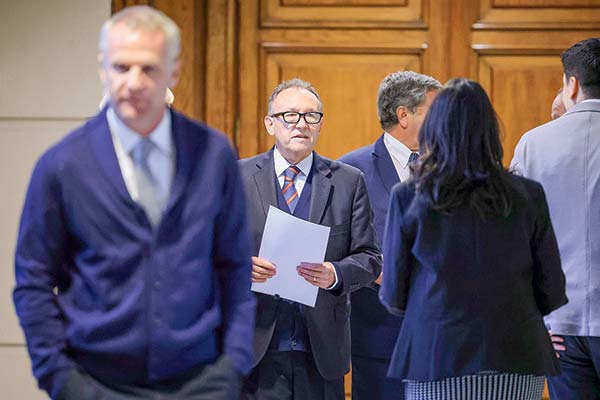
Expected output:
(133, 305)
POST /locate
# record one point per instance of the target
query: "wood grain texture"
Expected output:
(522, 89)
(344, 3)
(349, 14)
(538, 14)
(545, 3)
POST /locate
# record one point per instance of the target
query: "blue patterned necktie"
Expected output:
(413, 158)
(146, 184)
(289, 190)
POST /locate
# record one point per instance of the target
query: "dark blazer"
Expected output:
(474, 290)
(134, 305)
(374, 329)
(339, 200)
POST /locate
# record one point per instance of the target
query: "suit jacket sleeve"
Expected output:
(396, 254)
(363, 263)
(549, 279)
(233, 267)
(40, 257)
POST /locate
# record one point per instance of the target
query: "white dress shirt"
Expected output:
(399, 153)
(281, 164)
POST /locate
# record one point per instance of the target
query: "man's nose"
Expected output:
(135, 78)
(301, 122)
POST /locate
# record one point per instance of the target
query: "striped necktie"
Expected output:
(289, 190)
(146, 183)
(413, 158)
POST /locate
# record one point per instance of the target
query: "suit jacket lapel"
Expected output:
(263, 178)
(104, 151)
(384, 165)
(321, 188)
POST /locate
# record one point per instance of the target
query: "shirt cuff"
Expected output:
(335, 283)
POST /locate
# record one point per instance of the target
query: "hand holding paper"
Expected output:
(287, 243)
(320, 275)
(262, 270)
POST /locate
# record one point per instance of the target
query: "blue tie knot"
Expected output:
(141, 151)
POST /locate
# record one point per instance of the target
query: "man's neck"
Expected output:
(404, 137)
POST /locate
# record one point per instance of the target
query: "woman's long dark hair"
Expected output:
(461, 154)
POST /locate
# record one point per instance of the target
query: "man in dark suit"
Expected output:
(133, 279)
(402, 103)
(304, 352)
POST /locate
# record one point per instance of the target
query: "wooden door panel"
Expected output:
(348, 13)
(545, 3)
(522, 89)
(539, 14)
(347, 84)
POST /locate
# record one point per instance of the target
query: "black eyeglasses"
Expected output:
(293, 117)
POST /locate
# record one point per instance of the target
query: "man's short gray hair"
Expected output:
(144, 18)
(403, 88)
(293, 83)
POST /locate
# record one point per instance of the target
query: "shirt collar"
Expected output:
(281, 164)
(397, 149)
(589, 101)
(160, 136)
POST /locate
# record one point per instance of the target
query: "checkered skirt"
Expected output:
(478, 387)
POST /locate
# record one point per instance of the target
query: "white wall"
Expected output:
(48, 85)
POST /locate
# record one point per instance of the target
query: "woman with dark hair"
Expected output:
(471, 261)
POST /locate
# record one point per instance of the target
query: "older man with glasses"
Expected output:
(303, 352)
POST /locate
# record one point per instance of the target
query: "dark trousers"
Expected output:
(219, 381)
(370, 381)
(290, 375)
(580, 376)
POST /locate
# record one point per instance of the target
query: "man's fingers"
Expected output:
(556, 339)
(261, 262)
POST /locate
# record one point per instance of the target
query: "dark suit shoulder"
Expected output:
(358, 156)
(339, 169)
(527, 190)
(248, 166)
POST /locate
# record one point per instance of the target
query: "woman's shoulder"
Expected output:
(525, 187)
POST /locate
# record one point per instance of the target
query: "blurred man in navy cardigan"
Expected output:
(402, 103)
(132, 261)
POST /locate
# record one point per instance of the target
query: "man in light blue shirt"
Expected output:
(564, 155)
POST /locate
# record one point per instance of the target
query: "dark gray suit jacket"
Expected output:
(339, 200)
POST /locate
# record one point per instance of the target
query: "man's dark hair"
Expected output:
(582, 60)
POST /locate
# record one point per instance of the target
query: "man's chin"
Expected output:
(128, 113)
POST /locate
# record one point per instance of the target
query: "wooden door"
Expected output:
(236, 51)
(345, 48)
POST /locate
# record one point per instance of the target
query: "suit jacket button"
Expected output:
(277, 297)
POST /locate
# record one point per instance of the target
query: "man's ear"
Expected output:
(402, 114)
(269, 125)
(572, 88)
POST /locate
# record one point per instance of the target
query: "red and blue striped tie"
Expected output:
(289, 190)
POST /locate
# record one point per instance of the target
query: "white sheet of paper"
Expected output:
(286, 242)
